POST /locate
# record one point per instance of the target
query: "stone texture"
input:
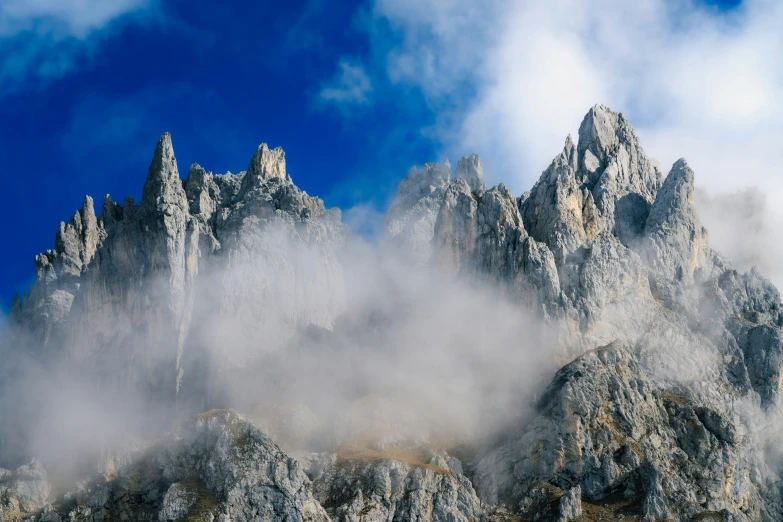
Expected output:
(603, 426)
(571, 505)
(23, 491)
(674, 241)
(122, 289)
(215, 466)
(410, 221)
(667, 406)
(380, 489)
(471, 170)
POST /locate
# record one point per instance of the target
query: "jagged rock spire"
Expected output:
(597, 137)
(676, 199)
(606, 183)
(266, 163)
(553, 211)
(77, 240)
(471, 170)
(163, 186)
(612, 162)
(196, 188)
(675, 241)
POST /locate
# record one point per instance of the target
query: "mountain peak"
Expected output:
(603, 263)
(675, 241)
(163, 186)
(266, 164)
(676, 195)
(471, 170)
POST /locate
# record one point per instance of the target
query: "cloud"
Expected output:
(742, 225)
(509, 79)
(46, 39)
(365, 220)
(77, 18)
(531, 78)
(350, 86)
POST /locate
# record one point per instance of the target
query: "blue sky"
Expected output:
(356, 92)
(222, 78)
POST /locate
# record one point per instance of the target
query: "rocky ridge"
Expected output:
(138, 263)
(667, 410)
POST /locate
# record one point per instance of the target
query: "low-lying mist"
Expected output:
(319, 352)
(412, 354)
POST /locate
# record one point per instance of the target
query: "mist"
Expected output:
(405, 353)
(745, 228)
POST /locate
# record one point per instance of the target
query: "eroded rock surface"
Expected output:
(215, 466)
(667, 407)
(125, 285)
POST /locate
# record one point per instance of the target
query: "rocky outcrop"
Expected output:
(623, 258)
(23, 491)
(553, 211)
(394, 484)
(410, 221)
(605, 430)
(122, 289)
(606, 183)
(675, 243)
(471, 170)
(666, 408)
(58, 273)
(215, 466)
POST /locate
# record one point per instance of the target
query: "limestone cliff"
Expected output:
(665, 407)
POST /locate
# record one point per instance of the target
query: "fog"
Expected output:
(408, 354)
(412, 354)
(325, 348)
(745, 228)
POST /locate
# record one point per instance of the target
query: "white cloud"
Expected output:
(509, 79)
(350, 86)
(365, 220)
(517, 76)
(68, 17)
(45, 39)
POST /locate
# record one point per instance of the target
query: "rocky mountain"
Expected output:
(242, 291)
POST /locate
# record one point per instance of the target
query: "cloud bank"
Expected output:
(45, 39)
(506, 78)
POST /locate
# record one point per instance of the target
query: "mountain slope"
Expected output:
(405, 380)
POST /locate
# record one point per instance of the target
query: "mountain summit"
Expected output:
(575, 353)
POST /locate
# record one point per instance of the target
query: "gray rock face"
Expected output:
(374, 488)
(23, 490)
(667, 408)
(265, 249)
(554, 210)
(603, 426)
(177, 501)
(571, 505)
(463, 228)
(674, 241)
(410, 221)
(216, 466)
(622, 257)
(605, 184)
(471, 170)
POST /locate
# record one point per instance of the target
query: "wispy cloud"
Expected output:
(45, 39)
(77, 18)
(351, 85)
(509, 79)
